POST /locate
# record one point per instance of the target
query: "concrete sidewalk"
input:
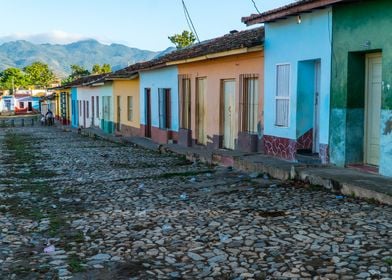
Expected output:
(340, 180)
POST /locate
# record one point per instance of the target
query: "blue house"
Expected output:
(159, 118)
(297, 71)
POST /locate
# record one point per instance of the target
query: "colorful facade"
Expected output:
(297, 83)
(159, 104)
(126, 101)
(221, 101)
(361, 94)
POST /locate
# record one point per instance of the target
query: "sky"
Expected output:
(143, 24)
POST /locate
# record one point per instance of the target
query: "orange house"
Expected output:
(221, 92)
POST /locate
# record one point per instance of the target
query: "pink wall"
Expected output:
(216, 70)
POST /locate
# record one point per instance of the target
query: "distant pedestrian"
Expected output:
(43, 119)
(49, 117)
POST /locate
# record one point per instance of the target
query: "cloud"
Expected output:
(52, 37)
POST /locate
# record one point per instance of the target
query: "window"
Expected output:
(92, 107)
(164, 108)
(97, 111)
(249, 102)
(88, 109)
(80, 108)
(130, 108)
(185, 101)
(21, 105)
(282, 95)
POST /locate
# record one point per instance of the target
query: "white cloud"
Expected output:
(52, 37)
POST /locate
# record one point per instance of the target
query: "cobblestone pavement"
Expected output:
(119, 212)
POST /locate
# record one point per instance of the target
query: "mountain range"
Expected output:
(85, 53)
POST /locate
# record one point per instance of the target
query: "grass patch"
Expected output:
(388, 261)
(75, 264)
(182, 174)
(56, 225)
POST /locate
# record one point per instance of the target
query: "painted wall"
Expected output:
(84, 95)
(216, 70)
(359, 28)
(289, 42)
(155, 79)
(125, 89)
(74, 108)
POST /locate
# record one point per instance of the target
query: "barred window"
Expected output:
(164, 108)
(185, 101)
(249, 102)
(130, 108)
(282, 97)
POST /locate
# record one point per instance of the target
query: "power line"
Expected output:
(254, 4)
(189, 21)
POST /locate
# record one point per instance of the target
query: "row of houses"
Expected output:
(19, 104)
(314, 80)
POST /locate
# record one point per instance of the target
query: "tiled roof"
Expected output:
(84, 81)
(233, 41)
(289, 10)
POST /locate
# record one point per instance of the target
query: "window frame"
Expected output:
(130, 108)
(286, 97)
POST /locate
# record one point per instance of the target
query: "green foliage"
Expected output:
(13, 78)
(38, 74)
(98, 69)
(77, 72)
(183, 40)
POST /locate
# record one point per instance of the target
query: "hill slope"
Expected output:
(59, 57)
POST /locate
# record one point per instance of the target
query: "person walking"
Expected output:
(49, 117)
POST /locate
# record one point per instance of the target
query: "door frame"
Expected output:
(118, 101)
(368, 57)
(147, 107)
(223, 107)
(316, 113)
(200, 120)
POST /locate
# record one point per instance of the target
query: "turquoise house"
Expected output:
(159, 111)
(297, 71)
(74, 108)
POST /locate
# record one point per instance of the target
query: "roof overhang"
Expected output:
(217, 55)
(289, 10)
(126, 78)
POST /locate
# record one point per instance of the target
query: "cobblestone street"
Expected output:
(110, 211)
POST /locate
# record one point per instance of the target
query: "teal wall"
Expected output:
(305, 96)
(359, 28)
(290, 43)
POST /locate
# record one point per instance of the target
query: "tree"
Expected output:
(98, 69)
(38, 74)
(78, 71)
(183, 40)
(12, 78)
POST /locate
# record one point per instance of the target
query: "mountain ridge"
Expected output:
(59, 57)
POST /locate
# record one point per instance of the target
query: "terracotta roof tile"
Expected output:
(289, 10)
(236, 40)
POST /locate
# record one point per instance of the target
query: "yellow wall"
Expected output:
(125, 89)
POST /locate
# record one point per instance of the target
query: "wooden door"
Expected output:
(229, 114)
(201, 87)
(147, 99)
(373, 108)
(118, 113)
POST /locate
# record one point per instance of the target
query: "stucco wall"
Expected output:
(289, 42)
(155, 79)
(125, 89)
(74, 108)
(216, 70)
(359, 28)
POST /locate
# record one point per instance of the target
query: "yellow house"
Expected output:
(126, 104)
(62, 105)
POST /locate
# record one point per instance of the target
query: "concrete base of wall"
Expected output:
(247, 142)
(126, 130)
(185, 137)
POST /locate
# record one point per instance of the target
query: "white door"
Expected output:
(229, 114)
(200, 111)
(316, 118)
(373, 108)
